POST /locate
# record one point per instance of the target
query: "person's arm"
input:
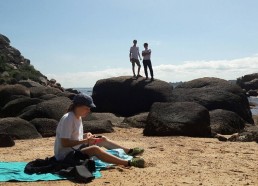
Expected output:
(130, 54)
(71, 143)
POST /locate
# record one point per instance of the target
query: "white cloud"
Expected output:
(225, 69)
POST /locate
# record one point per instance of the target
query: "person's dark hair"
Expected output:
(135, 41)
(145, 44)
(72, 107)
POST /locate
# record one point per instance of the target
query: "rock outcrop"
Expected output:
(18, 128)
(98, 126)
(214, 93)
(226, 122)
(6, 140)
(249, 83)
(14, 67)
(178, 119)
(127, 96)
(46, 127)
(137, 121)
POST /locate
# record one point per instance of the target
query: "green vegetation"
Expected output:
(23, 72)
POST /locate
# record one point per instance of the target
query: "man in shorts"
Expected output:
(133, 55)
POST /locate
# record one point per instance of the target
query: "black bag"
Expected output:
(40, 166)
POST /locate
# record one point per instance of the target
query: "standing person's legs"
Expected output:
(108, 144)
(139, 66)
(150, 67)
(133, 67)
(145, 68)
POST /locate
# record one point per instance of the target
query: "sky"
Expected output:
(78, 42)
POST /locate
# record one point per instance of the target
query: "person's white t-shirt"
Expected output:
(147, 57)
(135, 51)
(68, 127)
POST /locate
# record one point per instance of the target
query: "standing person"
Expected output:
(133, 55)
(146, 53)
(69, 134)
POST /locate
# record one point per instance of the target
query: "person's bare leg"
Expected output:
(133, 67)
(109, 144)
(104, 156)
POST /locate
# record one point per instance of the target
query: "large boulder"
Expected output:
(39, 91)
(29, 83)
(29, 113)
(14, 107)
(127, 96)
(53, 109)
(7, 91)
(48, 96)
(46, 127)
(214, 93)
(137, 121)
(179, 118)
(6, 140)
(115, 120)
(18, 128)
(98, 126)
(4, 40)
(226, 122)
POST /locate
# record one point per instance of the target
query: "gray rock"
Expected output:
(248, 135)
(4, 40)
(214, 93)
(41, 91)
(137, 121)
(116, 121)
(43, 80)
(28, 113)
(46, 127)
(6, 140)
(5, 74)
(18, 128)
(14, 107)
(226, 122)
(29, 83)
(179, 118)
(252, 93)
(54, 108)
(98, 127)
(48, 96)
(71, 90)
(7, 91)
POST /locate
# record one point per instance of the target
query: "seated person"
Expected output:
(69, 134)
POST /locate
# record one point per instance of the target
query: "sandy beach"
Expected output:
(170, 161)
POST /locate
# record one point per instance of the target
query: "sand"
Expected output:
(170, 161)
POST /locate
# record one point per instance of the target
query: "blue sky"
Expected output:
(80, 41)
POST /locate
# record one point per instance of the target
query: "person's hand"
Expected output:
(89, 135)
(94, 141)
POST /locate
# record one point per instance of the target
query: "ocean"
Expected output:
(255, 101)
(87, 91)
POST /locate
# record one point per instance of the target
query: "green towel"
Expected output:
(14, 171)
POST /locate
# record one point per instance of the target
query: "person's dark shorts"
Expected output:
(135, 61)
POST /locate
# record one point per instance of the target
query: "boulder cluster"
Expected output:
(31, 105)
